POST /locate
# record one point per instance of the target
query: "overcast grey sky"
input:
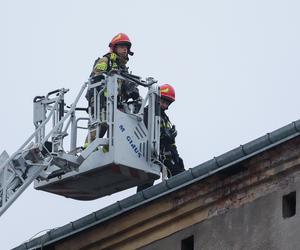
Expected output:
(234, 64)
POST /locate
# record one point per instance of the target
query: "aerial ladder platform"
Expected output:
(120, 152)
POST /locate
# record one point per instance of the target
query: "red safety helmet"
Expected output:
(167, 92)
(120, 38)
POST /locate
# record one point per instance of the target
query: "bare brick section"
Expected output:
(231, 209)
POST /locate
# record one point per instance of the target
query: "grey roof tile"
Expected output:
(204, 168)
(257, 144)
(66, 229)
(230, 156)
(108, 211)
(297, 125)
(180, 179)
(155, 190)
(91, 218)
(132, 200)
(283, 132)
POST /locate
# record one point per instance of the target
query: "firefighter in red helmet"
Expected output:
(117, 58)
(168, 151)
(168, 133)
(120, 48)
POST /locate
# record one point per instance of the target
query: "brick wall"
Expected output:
(197, 206)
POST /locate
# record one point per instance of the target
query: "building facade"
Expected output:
(244, 199)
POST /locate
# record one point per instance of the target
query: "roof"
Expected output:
(186, 178)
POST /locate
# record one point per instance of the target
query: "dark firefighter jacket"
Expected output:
(168, 150)
(108, 62)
